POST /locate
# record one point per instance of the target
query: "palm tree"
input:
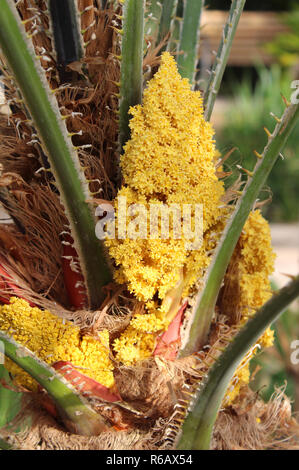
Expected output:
(132, 339)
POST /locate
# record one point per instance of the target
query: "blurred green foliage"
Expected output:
(243, 128)
(9, 398)
(285, 47)
(275, 367)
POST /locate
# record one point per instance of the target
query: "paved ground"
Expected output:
(285, 240)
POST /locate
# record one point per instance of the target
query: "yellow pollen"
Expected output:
(53, 339)
(170, 159)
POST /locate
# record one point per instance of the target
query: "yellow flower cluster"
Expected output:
(241, 378)
(255, 262)
(139, 339)
(170, 159)
(53, 339)
(147, 323)
(134, 345)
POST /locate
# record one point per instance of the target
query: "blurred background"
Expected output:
(263, 63)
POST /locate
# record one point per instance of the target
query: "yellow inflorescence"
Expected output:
(134, 345)
(139, 339)
(241, 378)
(255, 264)
(170, 159)
(53, 339)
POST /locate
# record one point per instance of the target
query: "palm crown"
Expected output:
(134, 335)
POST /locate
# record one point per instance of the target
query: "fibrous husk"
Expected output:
(250, 425)
(46, 434)
(155, 385)
(34, 254)
(253, 424)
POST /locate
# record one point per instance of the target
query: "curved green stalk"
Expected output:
(189, 39)
(168, 9)
(199, 324)
(5, 445)
(57, 145)
(10, 400)
(222, 56)
(77, 416)
(131, 63)
(10, 405)
(198, 426)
